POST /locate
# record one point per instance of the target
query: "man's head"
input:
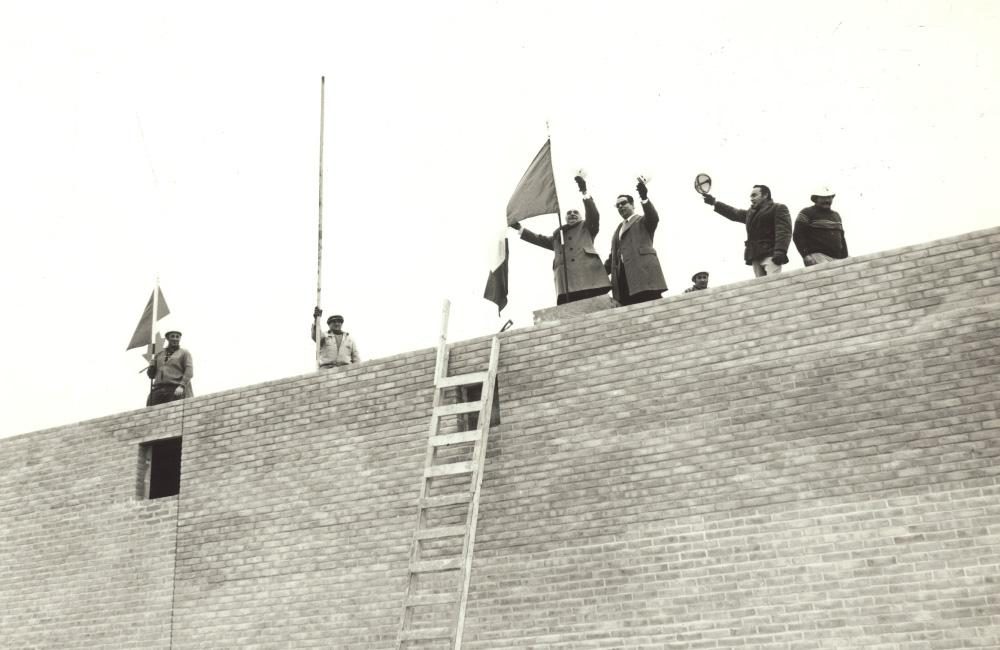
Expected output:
(700, 279)
(335, 322)
(823, 197)
(759, 194)
(626, 205)
(173, 338)
(572, 216)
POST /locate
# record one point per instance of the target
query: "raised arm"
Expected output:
(651, 218)
(538, 240)
(731, 213)
(592, 218)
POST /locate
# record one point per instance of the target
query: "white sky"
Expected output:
(181, 140)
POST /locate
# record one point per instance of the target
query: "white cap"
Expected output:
(824, 191)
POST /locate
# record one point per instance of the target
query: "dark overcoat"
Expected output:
(769, 228)
(632, 253)
(583, 265)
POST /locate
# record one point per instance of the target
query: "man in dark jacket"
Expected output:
(575, 249)
(633, 264)
(819, 233)
(769, 230)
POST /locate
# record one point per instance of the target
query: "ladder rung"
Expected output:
(461, 407)
(441, 531)
(462, 380)
(431, 599)
(465, 467)
(433, 566)
(425, 634)
(456, 438)
(446, 500)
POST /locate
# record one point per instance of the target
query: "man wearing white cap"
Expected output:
(819, 232)
(171, 372)
(700, 280)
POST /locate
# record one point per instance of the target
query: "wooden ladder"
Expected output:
(440, 568)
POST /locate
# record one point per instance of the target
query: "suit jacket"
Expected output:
(584, 269)
(632, 253)
(769, 228)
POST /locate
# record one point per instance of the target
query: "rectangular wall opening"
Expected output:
(160, 468)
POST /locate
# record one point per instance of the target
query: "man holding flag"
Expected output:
(577, 267)
(535, 194)
(171, 371)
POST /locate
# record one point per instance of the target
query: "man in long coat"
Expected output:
(633, 264)
(769, 230)
(575, 249)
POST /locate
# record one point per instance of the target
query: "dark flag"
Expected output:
(535, 194)
(144, 330)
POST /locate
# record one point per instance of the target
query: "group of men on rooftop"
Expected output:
(632, 271)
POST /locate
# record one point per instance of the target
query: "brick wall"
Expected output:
(805, 461)
(84, 561)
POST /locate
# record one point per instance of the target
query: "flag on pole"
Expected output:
(535, 194)
(144, 330)
(496, 284)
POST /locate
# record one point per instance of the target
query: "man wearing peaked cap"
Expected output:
(700, 280)
(819, 232)
(171, 372)
(337, 347)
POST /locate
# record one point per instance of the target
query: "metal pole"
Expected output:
(152, 326)
(319, 232)
(562, 240)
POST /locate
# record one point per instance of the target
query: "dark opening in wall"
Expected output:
(474, 393)
(160, 467)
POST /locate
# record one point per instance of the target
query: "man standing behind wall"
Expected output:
(633, 264)
(769, 230)
(171, 372)
(583, 267)
(337, 347)
(819, 232)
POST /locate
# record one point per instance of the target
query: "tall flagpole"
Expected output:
(319, 236)
(152, 325)
(562, 240)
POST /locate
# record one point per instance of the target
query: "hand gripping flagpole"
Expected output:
(562, 240)
(319, 236)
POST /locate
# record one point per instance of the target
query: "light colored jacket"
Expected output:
(338, 355)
